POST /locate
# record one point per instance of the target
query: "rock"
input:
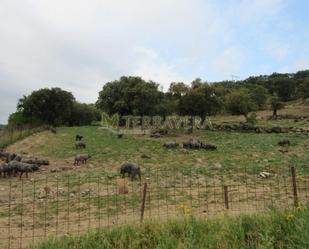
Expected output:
(283, 150)
(264, 174)
(217, 165)
(259, 130)
(276, 129)
(184, 151)
(86, 192)
(72, 195)
(64, 168)
(145, 156)
(284, 130)
(156, 135)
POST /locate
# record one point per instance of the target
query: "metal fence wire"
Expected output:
(35, 209)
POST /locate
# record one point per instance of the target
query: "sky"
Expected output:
(80, 45)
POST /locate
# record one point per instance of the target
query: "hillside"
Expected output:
(61, 198)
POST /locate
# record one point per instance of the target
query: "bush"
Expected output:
(251, 119)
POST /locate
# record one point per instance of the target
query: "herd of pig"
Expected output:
(15, 165)
(191, 144)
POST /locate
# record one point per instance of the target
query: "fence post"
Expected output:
(226, 197)
(143, 201)
(294, 185)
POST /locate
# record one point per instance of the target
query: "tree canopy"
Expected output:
(129, 96)
(132, 95)
(53, 107)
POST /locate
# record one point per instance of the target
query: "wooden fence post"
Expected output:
(294, 185)
(143, 201)
(226, 197)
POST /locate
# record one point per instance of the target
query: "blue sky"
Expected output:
(79, 45)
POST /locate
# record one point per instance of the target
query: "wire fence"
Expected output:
(11, 135)
(36, 209)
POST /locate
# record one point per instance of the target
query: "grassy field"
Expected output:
(63, 199)
(235, 150)
(272, 230)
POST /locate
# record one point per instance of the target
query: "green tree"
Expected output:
(178, 89)
(18, 120)
(196, 83)
(285, 88)
(259, 95)
(50, 106)
(84, 114)
(276, 105)
(304, 88)
(239, 102)
(129, 96)
(201, 101)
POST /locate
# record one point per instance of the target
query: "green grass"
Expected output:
(273, 230)
(235, 150)
(284, 123)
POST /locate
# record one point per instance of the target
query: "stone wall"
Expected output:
(243, 127)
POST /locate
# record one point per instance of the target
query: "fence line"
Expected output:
(10, 135)
(35, 209)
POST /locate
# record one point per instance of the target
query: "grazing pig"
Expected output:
(22, 167)
(284, 142)
(34, 167)
(171, 144)
(81, 158)
(8, 156)
(186, 144)
(195, 145)
(131, 169)
(80, 145)
(78, 137)
(26, 168)
(5, 170)
(14, 166)
(208, 146)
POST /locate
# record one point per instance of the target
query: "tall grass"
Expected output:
(273, 230)
(10, 136)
